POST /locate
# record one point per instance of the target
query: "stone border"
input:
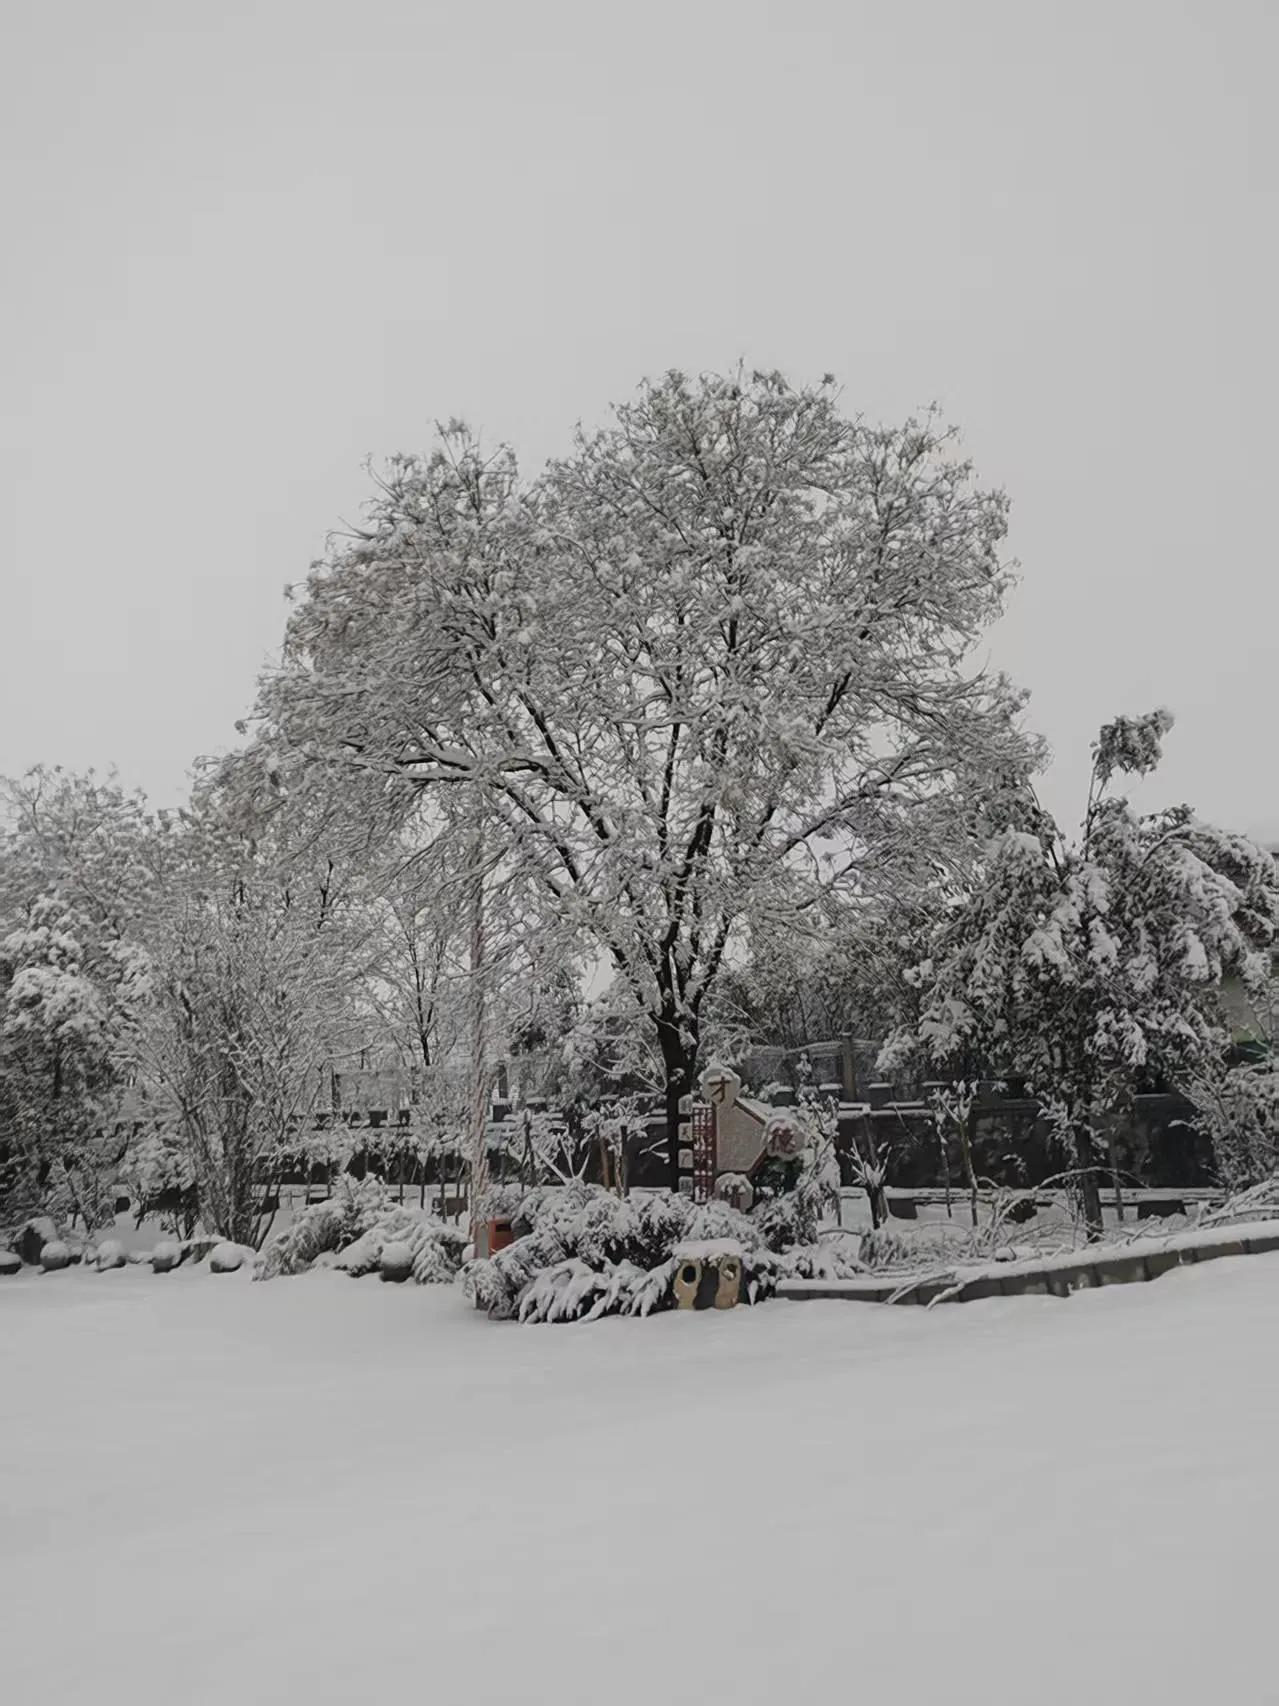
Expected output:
(1054, 1276)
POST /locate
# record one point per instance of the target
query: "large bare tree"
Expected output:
(709, 669)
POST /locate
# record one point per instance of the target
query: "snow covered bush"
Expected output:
(626, 1246)
(355, 1208)
(1084, 965)
(834, 1258)
(434, 1250)
(1237, 1107)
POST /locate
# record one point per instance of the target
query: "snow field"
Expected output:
(324, 1491)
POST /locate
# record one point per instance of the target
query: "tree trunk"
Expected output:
(1112, 1156)
(1089, 1189)
(679, 1057)
(967, 1131)
(477, 1135)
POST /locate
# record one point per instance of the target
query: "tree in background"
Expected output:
(80, 866)
(250, 1004)
(61, 1021)
(702, 675)
(1084, 966)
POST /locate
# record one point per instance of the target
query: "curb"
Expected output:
(1055, 1278)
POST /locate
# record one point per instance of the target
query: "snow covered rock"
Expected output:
(226, 1259)
(139, 1258)
(55, 1256)
(196, 1249)
(10, 1262)
(396, 1262)
(110, 1255)
(33, 1237)
(166, 1256)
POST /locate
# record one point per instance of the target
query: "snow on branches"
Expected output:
(1082, 966)
(705, 670)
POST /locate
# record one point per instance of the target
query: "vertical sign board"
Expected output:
(703, 1152)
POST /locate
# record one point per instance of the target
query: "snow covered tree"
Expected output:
(709, 669)
(1084, 966)
(60, 1051)
(251, 977)
(79, 866)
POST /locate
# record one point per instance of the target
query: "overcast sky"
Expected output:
(248, 245)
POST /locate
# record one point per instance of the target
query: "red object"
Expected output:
(500, 1234)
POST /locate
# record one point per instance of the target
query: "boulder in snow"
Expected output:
(110, 1255)
(33, 1238)
(226, 1259)
(139, 1258)
(10, 1262)
(55, 1256)
(396, 1262)
(196, 1249)
(166, 1256)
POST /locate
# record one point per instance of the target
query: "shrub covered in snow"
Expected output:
(353, 1229)
(227, 1258)
(590, 1253)
(55, 1256)
(354, 1208)
(10, 1262)
(110, 1255)
(434, 1250)
(834, 1258)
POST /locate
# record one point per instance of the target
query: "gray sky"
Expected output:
(249, 244)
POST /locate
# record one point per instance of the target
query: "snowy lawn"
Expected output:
(325, 1490)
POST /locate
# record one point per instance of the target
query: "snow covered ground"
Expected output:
(321, 1490)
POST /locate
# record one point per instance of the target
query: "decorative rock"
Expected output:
(784, 1138)
(110, 1255)
(396, 1263)
(166, 1256)
(736, 1190)
(10, 1262)
(55, 1256)
(33, 1238)
(226, 1259)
